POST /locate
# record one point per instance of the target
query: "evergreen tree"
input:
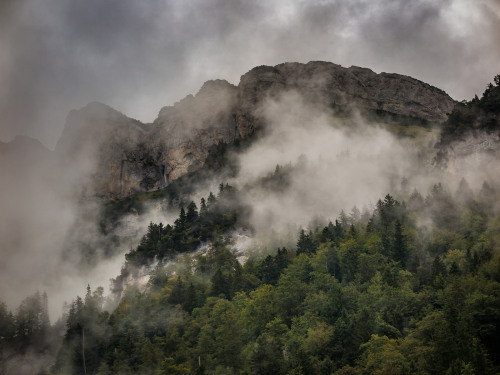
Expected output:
(178, 292)
(181, 220)
(203, 207)
(190, 302)
(211, 201)
(192, 213)
(344, 220)
(220, 285)
(32, 322)
(221, 190)
(338, 232)
(305, 243)
(399, 246)
(267, 271)
(281, 259)
(7, 326)
(438, 270)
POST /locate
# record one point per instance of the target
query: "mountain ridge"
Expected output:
(121, 156)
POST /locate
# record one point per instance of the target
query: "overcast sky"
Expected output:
(137, 56)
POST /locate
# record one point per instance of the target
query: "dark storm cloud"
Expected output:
(138, 56)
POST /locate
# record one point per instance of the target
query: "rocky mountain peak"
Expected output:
(196, 112)
(332, 84)
(213, 87)
(133, 157)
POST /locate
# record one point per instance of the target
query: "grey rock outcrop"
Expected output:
(188, 129)
(331, 84)
(122, 156)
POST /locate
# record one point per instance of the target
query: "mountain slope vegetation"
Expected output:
(411, 285)
(367, 294)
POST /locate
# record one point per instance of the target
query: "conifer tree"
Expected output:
(211, 200)
(192, 213)
(203, 207)
(399, 246)
(305, 243)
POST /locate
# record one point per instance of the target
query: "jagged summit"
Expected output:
(215, 85)
(131, 157)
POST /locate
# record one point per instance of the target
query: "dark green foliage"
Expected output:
(190, 230)
(220, 284)
(375, 295)
(32, 320)
(399, 247)
(270, 267)
(305, 243)
(192, 213)
(412, 287)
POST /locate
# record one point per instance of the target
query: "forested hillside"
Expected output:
(408, 286)
(371, 293)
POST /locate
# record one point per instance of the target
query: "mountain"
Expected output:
(123, 156)
(269, 275)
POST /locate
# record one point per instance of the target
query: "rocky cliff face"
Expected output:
(190, 127)
(123, 156)
(331, 84)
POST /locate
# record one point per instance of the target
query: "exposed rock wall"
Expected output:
(122, 156)
(330, 83)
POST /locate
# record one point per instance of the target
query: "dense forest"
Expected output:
(411, 286)
(369, 293)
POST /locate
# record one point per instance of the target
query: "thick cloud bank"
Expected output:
(58, 55)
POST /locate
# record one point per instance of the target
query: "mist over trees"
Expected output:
(408, 285)
(371, 293)
(379, 294)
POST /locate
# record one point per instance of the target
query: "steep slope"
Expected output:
(123, 156)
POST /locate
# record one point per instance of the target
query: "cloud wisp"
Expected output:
(338, 164)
